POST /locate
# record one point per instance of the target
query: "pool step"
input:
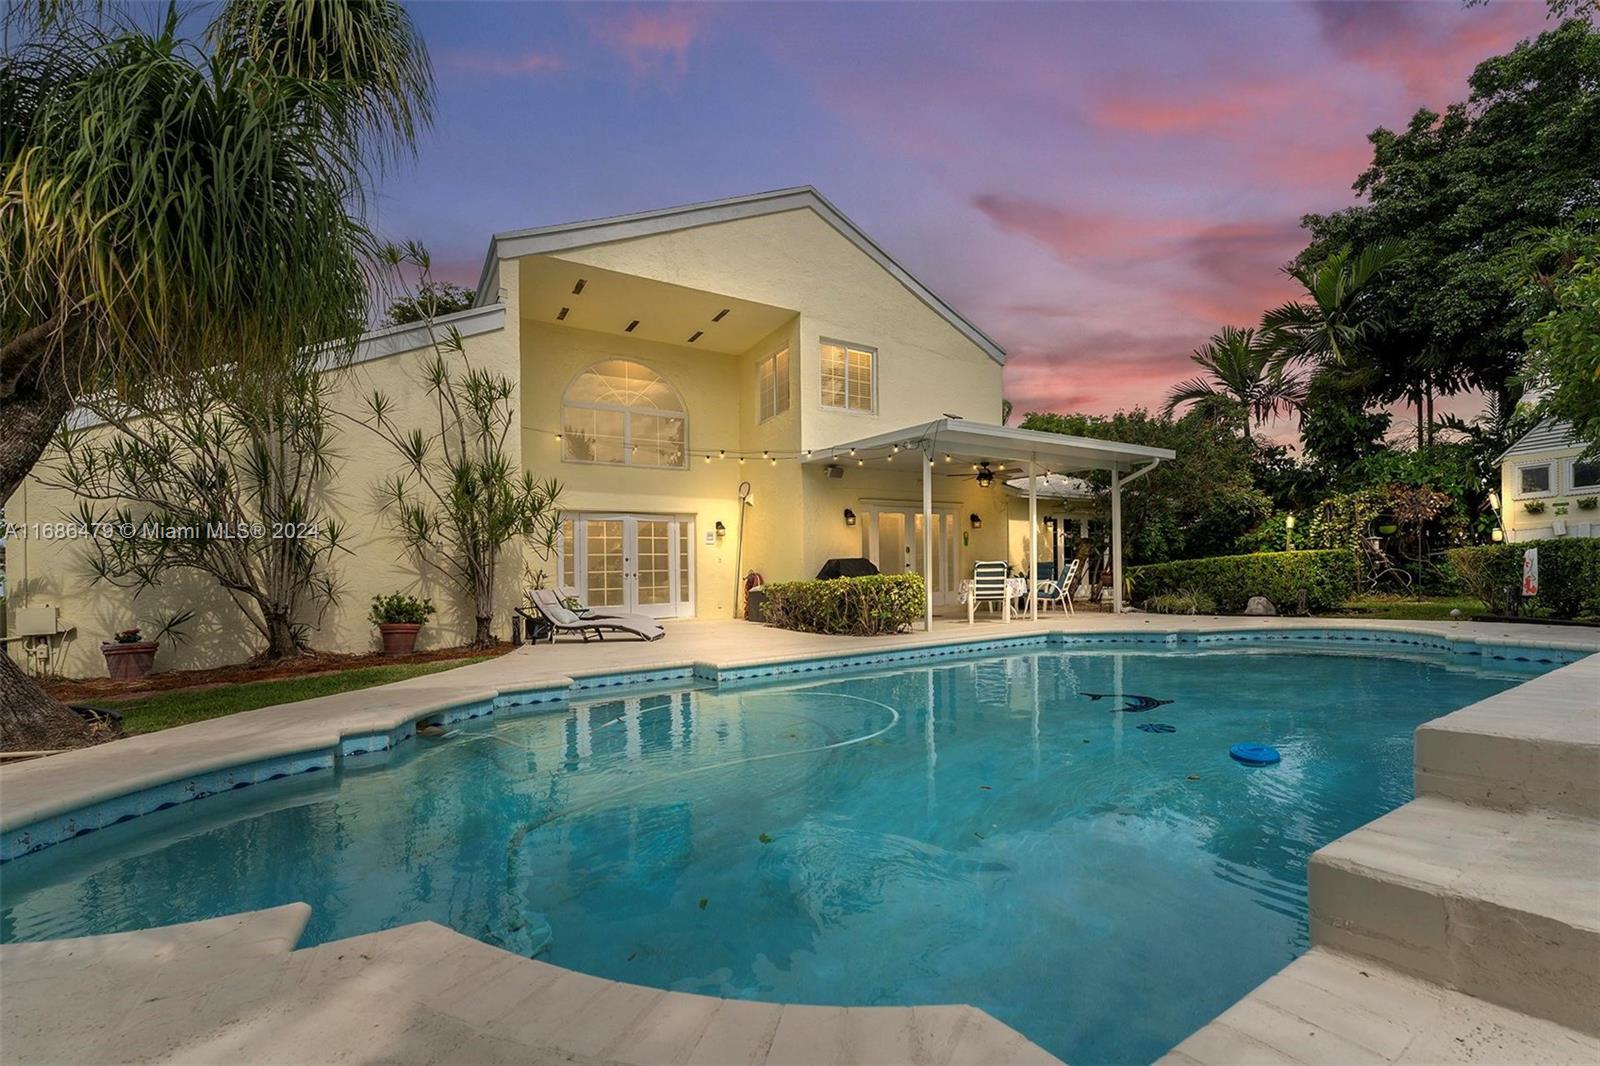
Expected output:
(1537, 745)
(1501, 905)
(1329, 1008)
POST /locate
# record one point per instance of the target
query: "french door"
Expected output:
(636, 562)
(891, 537)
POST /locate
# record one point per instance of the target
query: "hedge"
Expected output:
(1569, 574)
(855, 606)
(1328, 577)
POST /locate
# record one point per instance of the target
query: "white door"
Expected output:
(892, 539)
(639, 563)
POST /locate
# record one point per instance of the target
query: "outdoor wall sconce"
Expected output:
(1494, 501)
(1497, 535)
(722, 531)
(977, 523)
(849, 517)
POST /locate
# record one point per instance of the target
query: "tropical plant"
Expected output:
(169, 202)
(1561, 272)
(398, 608)
(1240, 370)
(224, 475)
(460, 500)
(1198, 503)
(1329, 328)
(1449, 320)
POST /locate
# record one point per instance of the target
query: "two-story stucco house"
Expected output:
(666, 360)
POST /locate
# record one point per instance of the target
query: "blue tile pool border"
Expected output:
(92, 817)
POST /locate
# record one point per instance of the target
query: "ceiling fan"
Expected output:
(983, 472)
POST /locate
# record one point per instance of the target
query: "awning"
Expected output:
(976, 442)
(1041, 457)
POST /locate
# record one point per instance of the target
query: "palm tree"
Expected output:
(166, 201)
(1328, 328)
(1242, 373)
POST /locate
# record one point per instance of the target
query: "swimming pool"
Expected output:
(1004, 831)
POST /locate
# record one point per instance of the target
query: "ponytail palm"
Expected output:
(168, 203)
(1241, 373)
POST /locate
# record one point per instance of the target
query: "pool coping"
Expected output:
(37, 813)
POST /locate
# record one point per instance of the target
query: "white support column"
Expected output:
(1116, 542)
(1033, 541)
(927, 541)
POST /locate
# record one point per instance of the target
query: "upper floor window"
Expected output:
(772, 384)
(622, 412)
(1585, 474)
(1533, 480)
(849, 373)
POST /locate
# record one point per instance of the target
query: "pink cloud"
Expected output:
(652, 41)
(1165, 116)
(1429, 55)
(525, 64)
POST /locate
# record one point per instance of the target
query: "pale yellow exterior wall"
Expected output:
(1521, 525)
(42, 573)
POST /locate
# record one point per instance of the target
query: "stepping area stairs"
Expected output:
(1464, 926)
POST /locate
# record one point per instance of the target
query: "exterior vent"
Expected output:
(578, 288)
(632, 326)
(720, 315)
(697, 335)
(562, 313)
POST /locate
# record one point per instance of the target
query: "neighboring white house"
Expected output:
(1546, 488)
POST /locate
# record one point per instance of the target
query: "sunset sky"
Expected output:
(1099, 186)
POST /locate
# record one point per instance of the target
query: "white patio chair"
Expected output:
(1059, 593)
(989, 586)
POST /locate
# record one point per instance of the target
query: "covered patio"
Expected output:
(997, 453)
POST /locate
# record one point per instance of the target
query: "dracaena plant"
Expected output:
(459, 500)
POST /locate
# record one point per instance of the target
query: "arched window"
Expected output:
(622, 412)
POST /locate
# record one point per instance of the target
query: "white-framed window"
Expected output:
(623, 413)
(772, 384)
(1535, 479)
(1583, 475)
(849, 376)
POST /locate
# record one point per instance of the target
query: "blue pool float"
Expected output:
(1254, 754)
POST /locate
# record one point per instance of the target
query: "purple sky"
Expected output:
(1099, 186)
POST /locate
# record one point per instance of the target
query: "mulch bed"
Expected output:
(105, 690)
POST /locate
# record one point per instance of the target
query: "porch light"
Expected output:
(1288, 521)
(1497, 535)
(722, 530)
(1494, 500)
(975, 521)
(849, 517)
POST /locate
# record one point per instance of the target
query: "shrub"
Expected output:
(398, 608)
(1187, 601)
(857, 606)
(1569, 574)
(1328, 578)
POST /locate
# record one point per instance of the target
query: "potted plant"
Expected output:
(1588, 503)
(399, 618)
(129, 656)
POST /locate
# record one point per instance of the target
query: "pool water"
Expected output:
(997, 831)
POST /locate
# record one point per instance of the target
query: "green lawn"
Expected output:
(167, 709)
(1425, 609)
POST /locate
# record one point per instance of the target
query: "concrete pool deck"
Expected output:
(1507, 944)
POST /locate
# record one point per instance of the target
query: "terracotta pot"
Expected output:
(129, 662)
(399, 638)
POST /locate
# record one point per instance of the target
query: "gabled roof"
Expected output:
(515, 243)
(1547, 435)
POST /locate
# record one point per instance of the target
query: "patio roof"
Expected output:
(980, 441)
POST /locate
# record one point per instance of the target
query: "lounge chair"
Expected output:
(583, 610)
(989, 585)
(563, 619)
